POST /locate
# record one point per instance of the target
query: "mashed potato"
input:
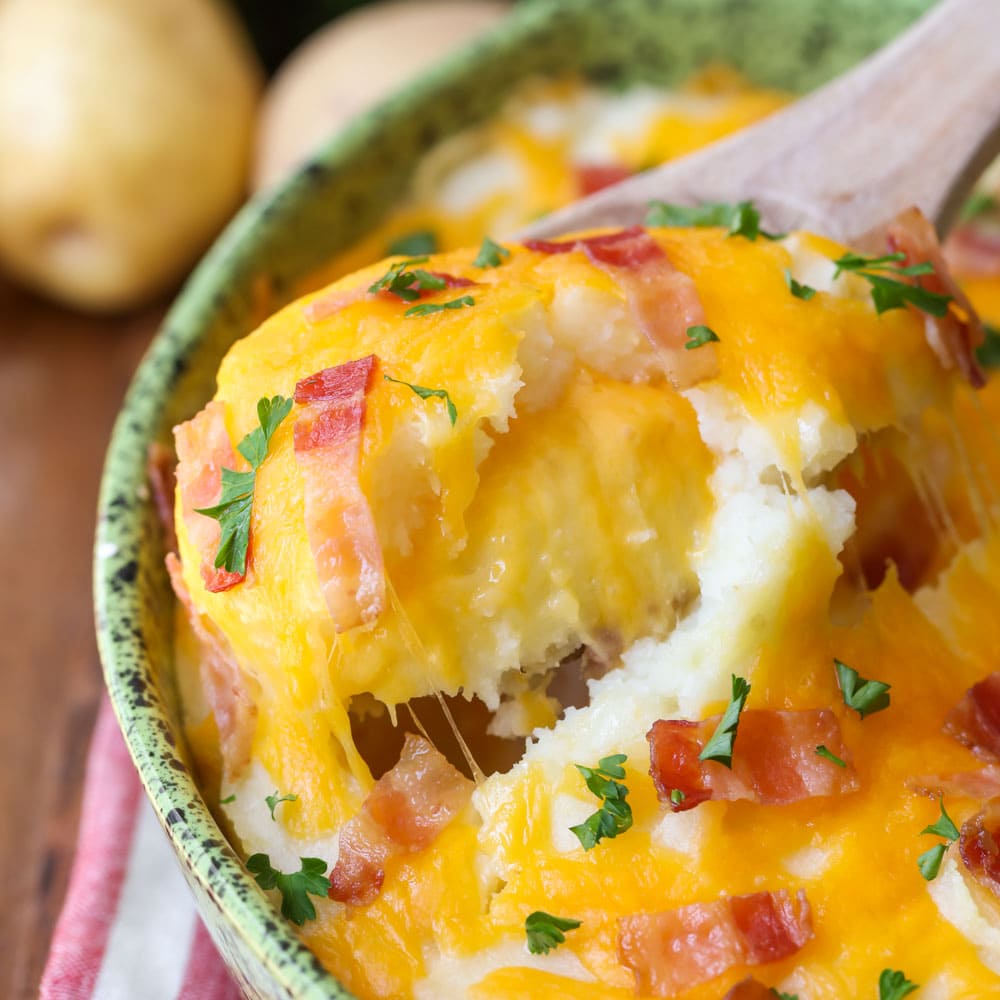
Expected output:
(553, 507)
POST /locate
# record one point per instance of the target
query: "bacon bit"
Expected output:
(664, 301)
(973, 250)
(160, 464)
(327, 305)
(982, 784)
(672, 951)
(594, 177)
(405, 811)
(339, 520)
(975, 720)
(953, 337)
(774, 762)
(749, 989)
(226, 686)
(980, 853)
(203, 449)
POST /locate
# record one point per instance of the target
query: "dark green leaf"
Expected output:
(720, 747)
(929, 862)
(864, 696)
(804, 292)
(698, 336)
(273, 800)
(944, 827)
(894, 985)
(416, 244)
(615, 815)
(490, 254)
(424, 393)
(426, 308)
(740, 219)
(988, 352)
(888, 293)
(406, 281)
(294, 888)
(784, 996)
(821, 751)
(545, 932)
(270, 413)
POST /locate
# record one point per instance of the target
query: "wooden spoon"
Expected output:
(915, 124)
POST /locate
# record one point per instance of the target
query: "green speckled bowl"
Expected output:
(274, 242)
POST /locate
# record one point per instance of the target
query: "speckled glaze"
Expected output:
(271, 245)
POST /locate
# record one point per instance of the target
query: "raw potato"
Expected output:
(125, 137)
(353, 63)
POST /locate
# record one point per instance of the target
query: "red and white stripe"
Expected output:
(128, 927)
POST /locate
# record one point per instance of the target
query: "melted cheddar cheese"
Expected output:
(582, 501)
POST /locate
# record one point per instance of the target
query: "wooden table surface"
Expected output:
(62, 378)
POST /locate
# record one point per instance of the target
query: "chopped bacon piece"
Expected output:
(749, 989)
(226, 687)
(980, 851)
(160, 464)
(973, 249)
(975, 720)
(955, 336)
(203, 450)
(664, 301)
(981, 784)
(672, 951)
(774, 759)
(339, 520)
(593, 177)
(327, 305)
(408, 807)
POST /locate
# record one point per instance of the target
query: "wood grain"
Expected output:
(62, 377)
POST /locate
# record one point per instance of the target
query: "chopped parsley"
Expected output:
(889, 292)
(894, 985)
(545, 932)
(424, 393)
(419, 243)
(699, 336)
(227, 800)
(804, 292)
(274, 800)
(677, 796)
(988, 352)
(426, 308)
(822, 751)
(490, 254)
(294, 888)
(739, 219)
(406, 281)
(864, 696)
(929, 862)
(615, 815)
(720, 747)
(784, 996)
(980, 203)
(236, 502)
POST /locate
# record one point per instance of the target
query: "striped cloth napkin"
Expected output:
(128, 928)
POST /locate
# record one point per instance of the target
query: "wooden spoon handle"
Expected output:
(915, 123)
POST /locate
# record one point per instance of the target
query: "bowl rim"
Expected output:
(120, 576)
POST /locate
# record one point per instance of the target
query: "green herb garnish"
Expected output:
(273, 800)
(426, 308)
(416, 244)
(236, 502)
(424, 393)
(821, 751)
(739, 219)
(699, 336)
(889, 292)
(615, 815)
(720, 747)
(980, 203)
(677, 796)
(545, 932)
(784, 996)
(894, 985)
(490, 254)
(294, 888)
(988, 352)
(406, 281)
(929, 862)
(864, 696)
(226, 801)
(804, 292)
